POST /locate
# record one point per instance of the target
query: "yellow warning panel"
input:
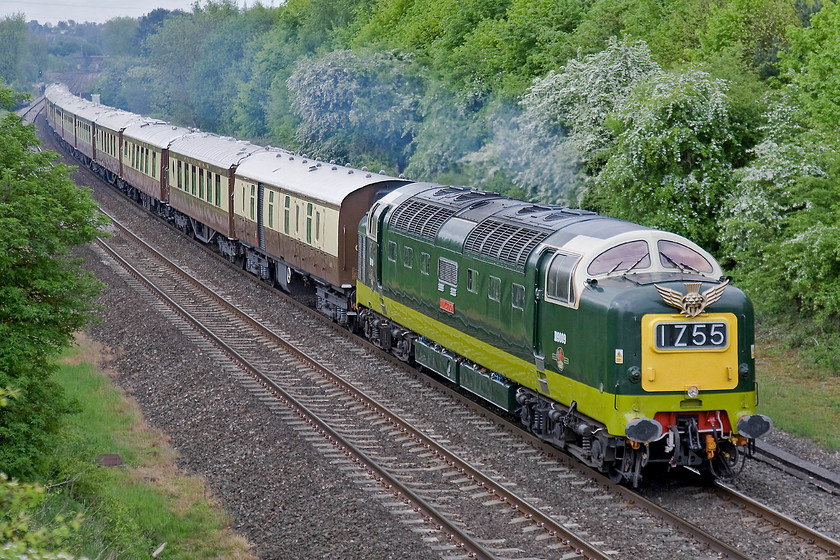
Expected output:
(681, 353)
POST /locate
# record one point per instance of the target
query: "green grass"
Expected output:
(128, 511)
(802, 397)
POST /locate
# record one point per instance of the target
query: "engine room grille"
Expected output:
(503, 241)
(420, 218)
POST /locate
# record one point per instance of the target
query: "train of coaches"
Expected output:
(623, 344)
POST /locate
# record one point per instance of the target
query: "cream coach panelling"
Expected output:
(306, 221)
(207, 182)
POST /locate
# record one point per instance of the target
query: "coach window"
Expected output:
(517, 296)
(317, 226)
(218, 191)
(146, 161)
(558, 283)
(309, 223)
(271, 209)
(297, 220)
(193, 182)
(253, 202)
(287, 215)
(201, 184)
(180, 176)
(408, 257)
(392, 251)
(472, 280)
(154, 164)
(494, 288)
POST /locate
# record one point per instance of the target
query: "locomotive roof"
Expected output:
(493, 226)
(326, 182)
(156, 133)
(221, 151)
(506, 230)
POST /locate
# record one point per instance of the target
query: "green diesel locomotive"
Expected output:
(621, 343)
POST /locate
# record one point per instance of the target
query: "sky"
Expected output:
(96, 11)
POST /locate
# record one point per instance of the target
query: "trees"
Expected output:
(45, 296)
(361, 106)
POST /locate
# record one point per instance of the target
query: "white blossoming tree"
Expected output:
(670, 166)
(356, 105)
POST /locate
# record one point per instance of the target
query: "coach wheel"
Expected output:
(289, 275)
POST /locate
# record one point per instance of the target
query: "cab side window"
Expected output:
(559, 279)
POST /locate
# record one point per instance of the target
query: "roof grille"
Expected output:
(420, 218)
(504, 241)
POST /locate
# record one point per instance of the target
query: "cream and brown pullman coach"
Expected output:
(144, 155)
(73, 119)
(108, 141)
(201, 178)
(298, 219)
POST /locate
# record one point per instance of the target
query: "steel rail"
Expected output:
(516, 503)
(460, 539)
(778, 519)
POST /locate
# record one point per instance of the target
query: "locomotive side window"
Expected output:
(675, 255)
(425, 260)
(517, 296)
(633, 255)
(408, 257)
(494, 288)
(558, 280)
(392, 251)
(472, 280)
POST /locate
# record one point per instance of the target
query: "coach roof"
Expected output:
(326, 182)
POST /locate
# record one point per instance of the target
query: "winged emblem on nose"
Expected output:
(692, 303)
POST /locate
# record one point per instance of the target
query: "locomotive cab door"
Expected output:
(375, 223)
(539, 311)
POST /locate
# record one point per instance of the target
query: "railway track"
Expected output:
(310, 409)
(722, 549)
(388, 448)
(29, 113)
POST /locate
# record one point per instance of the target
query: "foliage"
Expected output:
(813, 62)
(44, 295)
(757, 28)
(356, 106)
(580, 97)
(671, 164)
(18, 537)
